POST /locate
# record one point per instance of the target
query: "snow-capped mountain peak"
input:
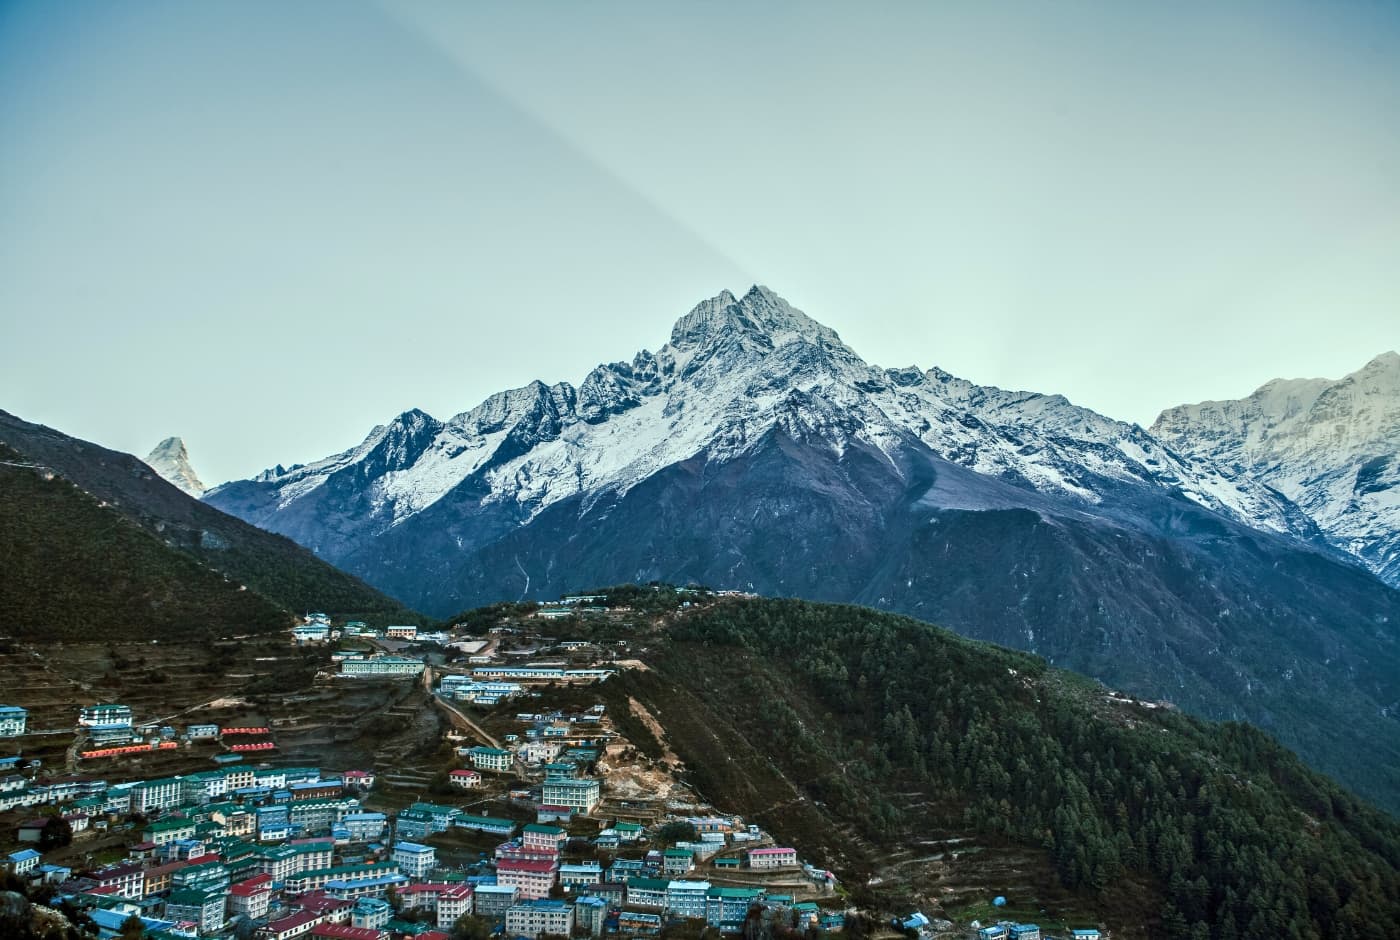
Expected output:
(171, 460)
(1331, 446)
(736, 370)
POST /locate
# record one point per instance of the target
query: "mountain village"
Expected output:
(540, 827)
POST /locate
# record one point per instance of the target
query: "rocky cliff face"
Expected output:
(1331, 447)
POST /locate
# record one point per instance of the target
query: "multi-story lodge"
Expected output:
(490, 758)
(452, 903)
(382, 666)
(536, 917)
(414, 859)
(105, 716)
(580, 795)
(534, 877)
(12, 721)
(776, 857)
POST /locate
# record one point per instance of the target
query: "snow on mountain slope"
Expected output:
(1332, 447)
(171, 460)
(735, 368)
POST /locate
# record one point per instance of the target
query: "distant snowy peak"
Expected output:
(171, 460)
(735, 370)
(1331, 446)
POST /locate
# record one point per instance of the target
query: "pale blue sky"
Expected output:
(267, 226)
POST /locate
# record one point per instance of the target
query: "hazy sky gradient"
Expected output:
(267, 227)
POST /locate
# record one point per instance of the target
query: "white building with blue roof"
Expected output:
(22, 862)
(414, 859)
(12, 721)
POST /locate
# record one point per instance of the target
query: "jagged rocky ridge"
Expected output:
(733, 371)
(1332, 447)
(756, 450)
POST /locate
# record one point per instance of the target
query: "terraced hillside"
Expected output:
(253, 682)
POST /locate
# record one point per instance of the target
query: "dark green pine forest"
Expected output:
(1216, 828)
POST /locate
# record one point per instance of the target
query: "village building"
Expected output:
(547, 838)
(414, 859)
(488, 824)
(309, 881)
(22, 862)
(647, 892)
(345, 932)
(540, 752)
(290, 927)
(546, 813)
(402, 632)
(490, 758)
(492, 901)
(12, 721)
(371, 913)
(251, 898)
(364, 826)
(580, 875)
(776, 857)
(580, 795)
(452, 904)
(382, 666)
(677, 861)
(105, 716)
(727, 908)
(357, 779)
(125, 880)
(204, 907)
(464, 779)
(168, 830)
(533, 877)
(532, 918)
(317, 632)
(166, 793)
(590, 914)
(687, 898)
(638, 923)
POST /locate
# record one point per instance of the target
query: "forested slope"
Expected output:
(852, 708)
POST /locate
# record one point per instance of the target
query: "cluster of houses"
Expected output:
(260, 843)
(109, 730)
(293, 852)
(530, 886)
(317, 628)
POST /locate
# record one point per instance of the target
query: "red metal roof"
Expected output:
(343, 932)
(526, 865)
(254, 885)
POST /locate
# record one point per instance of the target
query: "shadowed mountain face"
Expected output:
(756, 451)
